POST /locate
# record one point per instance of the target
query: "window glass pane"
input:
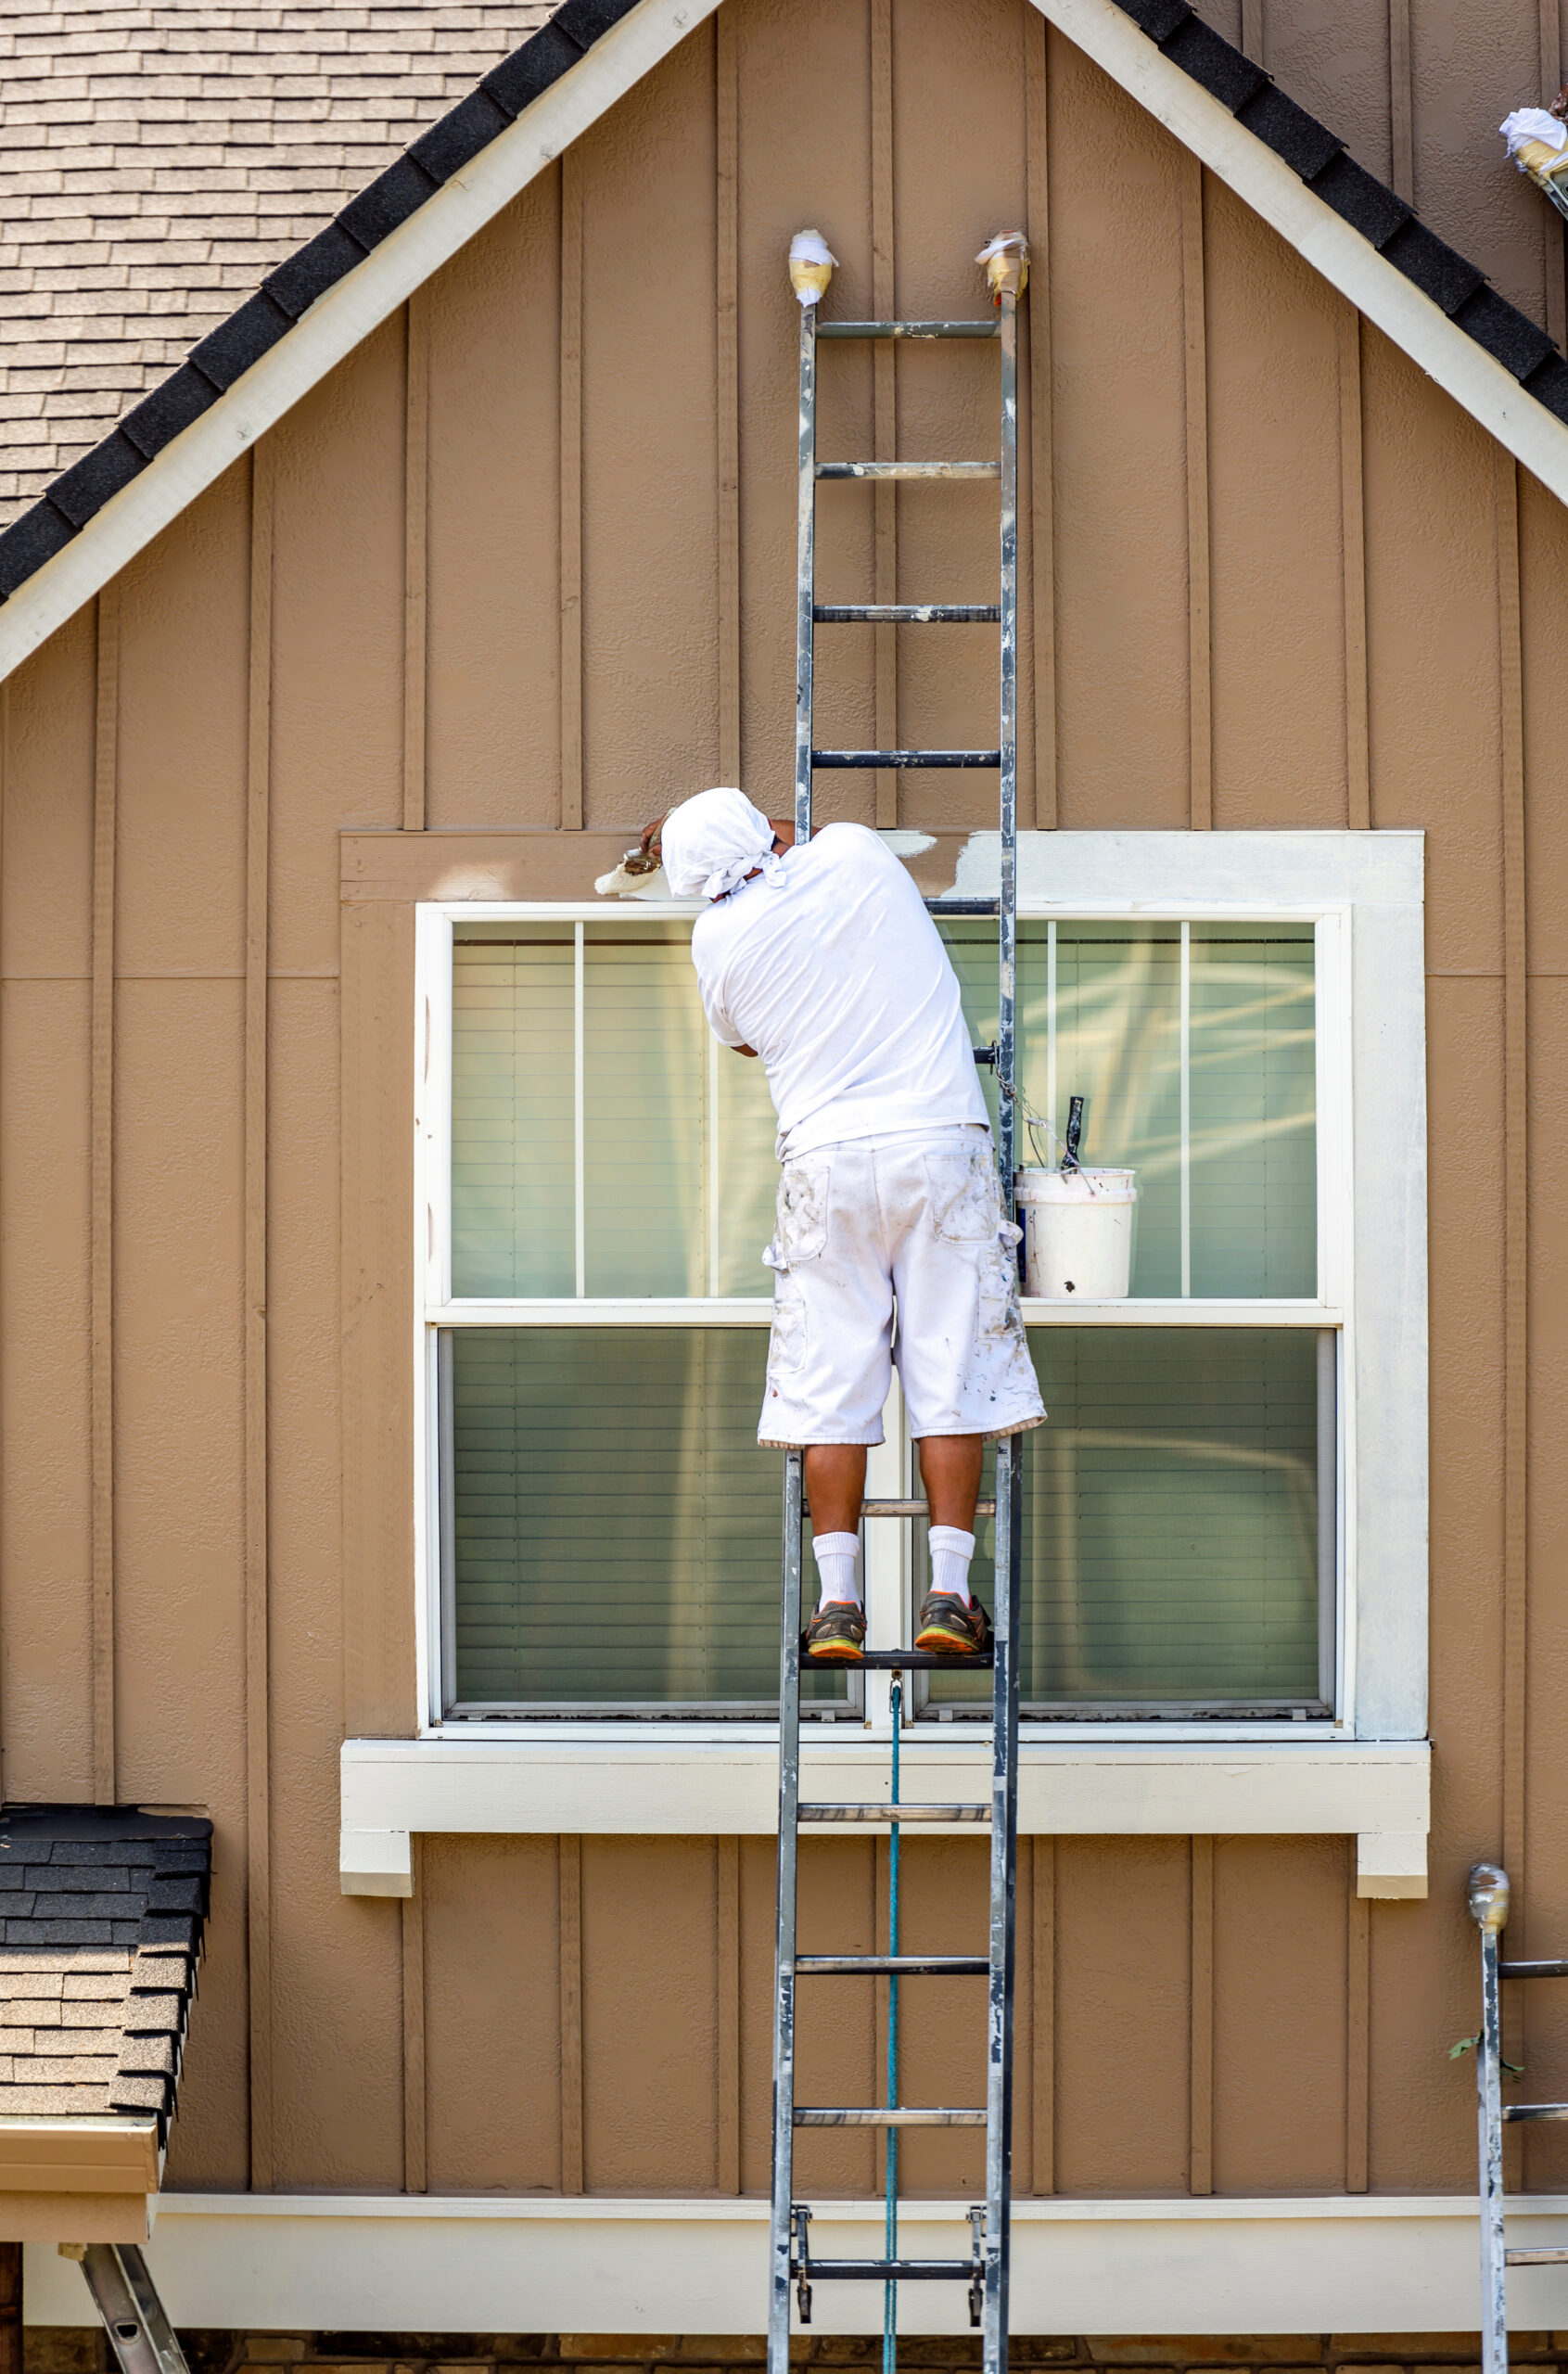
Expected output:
(1253, 1104)
(1100, 1017)
(664, 1215)
(617, 1528)
(513, 1222)
(1170, 1521)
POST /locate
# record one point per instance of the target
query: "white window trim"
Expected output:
(1365, 892)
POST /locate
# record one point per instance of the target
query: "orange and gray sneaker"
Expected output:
(953, 1628)
(837, 1633)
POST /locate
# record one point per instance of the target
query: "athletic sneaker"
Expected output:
(837, 1633)
(953, 1628)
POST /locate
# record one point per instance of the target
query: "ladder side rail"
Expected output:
(1489, 2123)
(1487, 1900)
(806, 568)
(1004, 1862)
(1009, 1462)
(134, 2318)
(783, 1976)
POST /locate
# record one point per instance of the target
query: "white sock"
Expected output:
(950, 1553)
(836, 1553)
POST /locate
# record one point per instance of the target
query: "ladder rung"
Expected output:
(889, 2118)
(892, 1966)
(1512, 2258)
(906, 758)
(893, 1813)
(908, 469)
(1533, 1969)
(915, 1508)
(902, 1660)
(963, 907)
(908, 329)
(907, 614)
(1515, 2111)
(889, 2270)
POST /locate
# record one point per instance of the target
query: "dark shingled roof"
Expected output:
(101, 1917)
(1306, 145)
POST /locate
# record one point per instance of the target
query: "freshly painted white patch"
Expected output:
(908, 844)
(1389, 2263)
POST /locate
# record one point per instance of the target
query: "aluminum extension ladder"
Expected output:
(1487, 1894)
(126, 2298)
(986, 2269)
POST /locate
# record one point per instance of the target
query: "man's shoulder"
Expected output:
(854, 845)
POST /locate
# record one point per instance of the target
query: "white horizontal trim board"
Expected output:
(614, 1779)
(1319, 2263)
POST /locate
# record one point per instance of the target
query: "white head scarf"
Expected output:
(711, 843)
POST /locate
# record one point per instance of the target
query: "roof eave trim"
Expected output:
(1374, 285)
(340, 320)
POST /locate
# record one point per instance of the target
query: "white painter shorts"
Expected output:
(915, 1217)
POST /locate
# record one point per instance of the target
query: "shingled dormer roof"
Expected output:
(101, 1917)
(1294, 169)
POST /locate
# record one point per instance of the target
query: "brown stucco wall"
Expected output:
(205, 1537)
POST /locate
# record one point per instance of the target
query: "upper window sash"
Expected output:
(434, 1093)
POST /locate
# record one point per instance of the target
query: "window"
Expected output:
(602, 1534)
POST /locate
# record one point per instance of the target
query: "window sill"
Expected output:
(710, 1779)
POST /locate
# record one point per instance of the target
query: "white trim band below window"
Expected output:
(561, 1780)
(1389, 2264)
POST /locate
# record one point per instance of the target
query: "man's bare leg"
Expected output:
(835, 1485)
(950, 1468)
(951, 1620)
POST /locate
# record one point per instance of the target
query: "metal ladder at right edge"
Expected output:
(1487, 1894)
(985, 2271)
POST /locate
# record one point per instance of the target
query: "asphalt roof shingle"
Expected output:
(101, 1918)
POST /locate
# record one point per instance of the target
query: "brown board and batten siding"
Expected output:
(526, 562)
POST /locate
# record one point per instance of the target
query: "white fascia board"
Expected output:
(643, 1780)
(1372, 2263)
(1474, 378)
(340, 320)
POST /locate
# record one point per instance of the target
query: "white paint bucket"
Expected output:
(1078, 1233)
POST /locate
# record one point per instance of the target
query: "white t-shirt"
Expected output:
(839, 979)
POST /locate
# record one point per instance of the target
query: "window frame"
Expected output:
(1254, 885)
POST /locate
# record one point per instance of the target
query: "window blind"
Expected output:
(1170, 1533)
(615, 1533)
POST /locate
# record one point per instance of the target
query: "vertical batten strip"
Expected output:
(571, 490)
(257, 1690)
(1401, 119)
(106, 773)
(579, 1107)
(726, 91)
(1200, 689)
(415, 2150)
(1038, 813)
(1043, 2105)
(1184, 1063)
(1357, 2034)
(885, 423)
(1516, 1242)
(1201, 2172)
(571, 2014)
(1353, 546)
(417, 475)
(728, 1878)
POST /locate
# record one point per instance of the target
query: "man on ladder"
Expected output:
(823, 962)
